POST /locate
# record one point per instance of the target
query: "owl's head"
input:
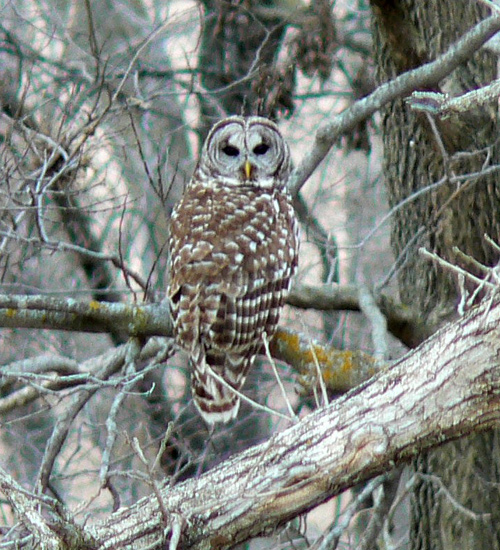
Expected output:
(246, 151)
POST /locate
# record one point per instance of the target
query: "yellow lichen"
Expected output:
(347, 363)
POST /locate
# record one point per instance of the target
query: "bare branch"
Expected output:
(131, 357)
(378, 323)
(424, 76)
(331, 539)
(443, 106)
(446, 389)
(43, 312)
(65, 420)
(456, 269)
(402, 321)
(154, 351)
(339, 370)
(383, 500)
(57, 534)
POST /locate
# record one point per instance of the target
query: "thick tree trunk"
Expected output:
(409, 33)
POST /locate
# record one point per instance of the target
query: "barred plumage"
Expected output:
(233, 250)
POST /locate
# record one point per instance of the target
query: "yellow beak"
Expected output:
(248, 167)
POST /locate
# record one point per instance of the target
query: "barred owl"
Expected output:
(233, 249)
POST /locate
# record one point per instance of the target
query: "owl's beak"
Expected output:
(248, 169)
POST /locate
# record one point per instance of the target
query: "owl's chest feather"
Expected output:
(220, 234)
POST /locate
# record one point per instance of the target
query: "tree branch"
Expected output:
(90, 374)
(341, 370)
(59, 533)
(402, 321)
(447, 388)
(44, 312)
(403, 85)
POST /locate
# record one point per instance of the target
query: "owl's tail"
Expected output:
(215, 379)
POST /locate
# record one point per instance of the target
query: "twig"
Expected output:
(442, 489)
(331, 540)
(319, 376)
(443, 106)
(133, 350)
(136, 446)
(154, 352)
(278, 377)
(64, 422)
(176, 534)
(245, 398)
(492, 243)
(452, 267)
(60, 532)
(382, 504)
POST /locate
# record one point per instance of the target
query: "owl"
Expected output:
(233, 250)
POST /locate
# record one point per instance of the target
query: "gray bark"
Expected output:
(448, 387)
(410, 34)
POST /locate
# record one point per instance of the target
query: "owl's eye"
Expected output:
(230, 151)
(261, 149)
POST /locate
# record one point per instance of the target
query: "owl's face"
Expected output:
(246, 151)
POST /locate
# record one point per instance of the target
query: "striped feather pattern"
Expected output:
(233, 251)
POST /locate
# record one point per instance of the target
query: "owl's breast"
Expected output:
(235, 238)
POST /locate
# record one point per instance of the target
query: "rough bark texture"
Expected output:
(446, 388)
(413, 159)
(409, 33)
